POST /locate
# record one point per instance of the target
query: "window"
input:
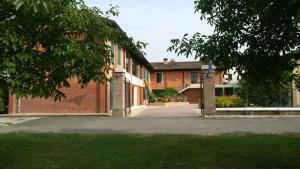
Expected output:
(134, 65)
(194, 77)
(112, 48)
(229, 76)
(229, 91)
(127, 63)
(119, 55)
(146, 74)
(218, 92)
(159, 77)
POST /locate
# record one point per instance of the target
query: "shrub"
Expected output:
(170, 92)
(229, 101)
(167, 95)
(157, 92)
(3, 97)
(3, 105)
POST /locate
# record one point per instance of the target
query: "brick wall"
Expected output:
(180, 79)
(78, 100)
(219, 79)
(193, 95)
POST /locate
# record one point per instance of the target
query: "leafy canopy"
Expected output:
(256, 36)
(43, 44)
(267, 95)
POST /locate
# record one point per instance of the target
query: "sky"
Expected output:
(156, 22)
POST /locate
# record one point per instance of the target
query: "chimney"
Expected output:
(166, 61)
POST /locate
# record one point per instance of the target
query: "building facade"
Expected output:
(98, 97)
(185, 77)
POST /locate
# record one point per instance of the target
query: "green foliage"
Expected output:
(167, 95)
(157, 92)
(258, 37)
(267, 94)
(2, 106)
(43, 44)
(3, 96)
(149, 93)
(229, 101)
(170, 92)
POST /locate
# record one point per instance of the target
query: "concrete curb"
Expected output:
(252, 116)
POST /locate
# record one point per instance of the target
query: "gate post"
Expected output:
(118, 92)
(209, 90)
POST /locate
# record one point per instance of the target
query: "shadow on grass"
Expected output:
(149, 151)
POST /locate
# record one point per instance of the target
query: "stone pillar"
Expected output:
(209, 91)
(118, 91)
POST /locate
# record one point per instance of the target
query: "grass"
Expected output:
(75, 151)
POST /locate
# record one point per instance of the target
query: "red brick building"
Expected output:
(98, 97)
(125, 92)
(186, 77)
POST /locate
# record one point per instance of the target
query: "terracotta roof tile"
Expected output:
(177, 65)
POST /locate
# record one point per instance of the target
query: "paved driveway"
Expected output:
(157, 125)
(6, 121)
(174, 111)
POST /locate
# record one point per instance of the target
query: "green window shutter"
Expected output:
(146, 74)
(119, 56)
(112, 47)
(159, 77)
(194, 77)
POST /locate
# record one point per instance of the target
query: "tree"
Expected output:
(258, 37)
(3, 96)
(45, 43)
(268, 95)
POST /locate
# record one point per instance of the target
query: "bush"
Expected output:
(169, 92)
(229, 101)
(167, 95)
(3, 97)
(157, 92)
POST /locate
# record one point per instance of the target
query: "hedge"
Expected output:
(229, 101)
(167, 95)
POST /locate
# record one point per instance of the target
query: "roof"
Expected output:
(135, 52)
(177, 66)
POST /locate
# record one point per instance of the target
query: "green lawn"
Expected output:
(75, 151)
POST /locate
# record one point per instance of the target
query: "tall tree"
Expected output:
(45, 43)
(256, 36)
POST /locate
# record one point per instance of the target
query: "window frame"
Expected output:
(127, 58)
(192, 77)
(146, 74)
(134, 67)
(119, 55)
(162, 77)
(229, 77)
